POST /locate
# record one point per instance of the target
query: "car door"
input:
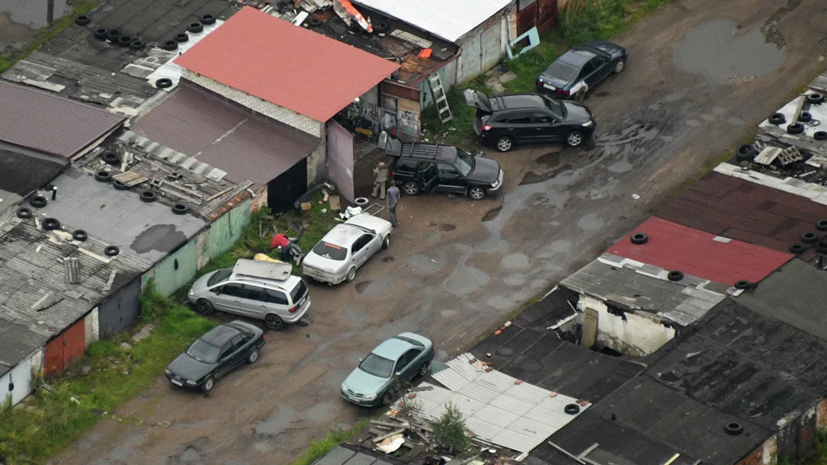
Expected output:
(359, 249)
(254, 301)
(225, 360)
(518, 126)
(545, 125)
(228, 298)
(411, 367)
(426, 175)
(276, 303)
(450, 179)
(592, 71)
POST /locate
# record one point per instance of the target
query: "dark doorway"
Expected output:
(289, 186)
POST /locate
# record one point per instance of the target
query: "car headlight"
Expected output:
(369, 396)
(167, 372)
(588, 124)
(344, 388)
(190, 382)
(191, 293)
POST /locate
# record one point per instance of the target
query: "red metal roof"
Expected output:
(225, 135)
(693, 252)
(45, 122)
(287, 65)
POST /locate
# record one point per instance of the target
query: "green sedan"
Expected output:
(398, 360)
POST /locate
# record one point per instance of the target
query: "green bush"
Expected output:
(584, 20)
(320, 447)
(449, 431)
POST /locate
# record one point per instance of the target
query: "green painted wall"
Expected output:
(225, 231)
(176, 270)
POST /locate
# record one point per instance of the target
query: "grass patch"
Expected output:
(336, 436)
(530, 65)
(584, 20)
(61, 410)
(8, 59)
(460, 130)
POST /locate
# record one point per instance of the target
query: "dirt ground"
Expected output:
(455, 268)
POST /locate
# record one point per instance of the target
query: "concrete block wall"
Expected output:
(271, 110)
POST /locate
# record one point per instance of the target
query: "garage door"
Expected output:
(65, 349)
(121, 310)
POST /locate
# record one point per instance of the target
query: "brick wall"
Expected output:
(821, 412)
(317, 164)
(271, 110)
(765, 454)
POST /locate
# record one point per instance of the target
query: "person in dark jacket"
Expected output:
(380, 179)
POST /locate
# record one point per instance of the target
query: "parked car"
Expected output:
(580, 69)
(418, 167)
(255, 289)
(505, 120)
(346, 247)
(377, 379)
(215, 354)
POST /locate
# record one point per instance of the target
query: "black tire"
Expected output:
(120, 186)
(574, 139)
(274, 322)
(822, 225)
(743, 284)
(163, 83)
(809, 237)
(674, 276)
(182, 37)
(796, 128)
(103, 176)
(83, 20)
(424, 369)
(100, 33)
(572, 409)
(620, 66)
(745, 152)
(815, 98)
(477, 193)
(805, 117)
(381, 27)
(821, 247)
(639, 238)
(387, 397)
(148, 196)
(180, 209)
(110, 158)
(314, 22)
(777, 118)
(820, 135)
(111, 251)
(195, 28)
(351, 274)
(411, 188)
(386, 242)
(797, 248)
(208, 384)
(170, 45)
(38, 201)
(252, 356)
(505, 143)
(207, 19)
(50, 224)
(124, 41)
(24, 213)
(733, 428)
(137, 44)
(113, 34)
(579, 96)
(80, 235)
(204, 307)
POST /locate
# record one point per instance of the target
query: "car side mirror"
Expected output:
(398, 373)
(216, 291)
(360, 360)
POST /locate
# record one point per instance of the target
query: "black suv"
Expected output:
(504, 120)
(418, 167)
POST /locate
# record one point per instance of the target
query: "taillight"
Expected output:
(564, 92)
(264, 336)
(486, 128)
(393, 173)
(294, 309)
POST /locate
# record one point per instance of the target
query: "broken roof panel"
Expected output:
(225, 135)
(53, 125)
(636, 286)
(697, 253)
(269, 58)
(448, 19)
(16, 342)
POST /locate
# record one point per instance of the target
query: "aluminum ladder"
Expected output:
(440, 98)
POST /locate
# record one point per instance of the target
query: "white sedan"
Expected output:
(346, 247)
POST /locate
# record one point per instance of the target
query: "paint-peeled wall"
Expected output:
(226, 230)
(631, 334)
(174, 271)
(17, 383)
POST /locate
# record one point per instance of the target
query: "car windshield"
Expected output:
(203, 351)
(556, 107)
(330, 251)
(562, 71)
(464, 163)
(377, 366)
(219, 276)
(299, 291)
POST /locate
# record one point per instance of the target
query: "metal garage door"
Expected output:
(469, 61)
(121, 310)
(340, 159)
(65, 349)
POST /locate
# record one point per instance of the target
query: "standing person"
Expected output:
(380, 178)
(393, 200)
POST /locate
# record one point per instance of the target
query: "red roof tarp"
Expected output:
(696, 253)
(284, 64)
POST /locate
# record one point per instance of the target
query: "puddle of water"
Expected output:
(492, 214)
(515, 280)
(448, 227)
(423, 263)
(35, 13)
(161, 238)
(552, 158)
(561, 246)
(534, 178)
(692, 123)
(515, 260)
(354, 316)
(717, 111)
(620, 166)
(200, 424)
(432, 237)
(714, 51)
(335, 379)
(375, 287)
(590, 222)
(274, 426)
(320, 412)
(466, 280)
(500, 302)
(387, 259)
(735, 121)
(120, 454)
(537, 283)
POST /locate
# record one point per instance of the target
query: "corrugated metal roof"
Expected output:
(644, 287)
(496, 409)
(50, 124)
(213, 130)
(289, 66)
(16, 342)
(697, 253)
(449, 19)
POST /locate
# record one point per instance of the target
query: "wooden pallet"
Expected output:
(130, 178)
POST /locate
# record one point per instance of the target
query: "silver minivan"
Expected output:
(254, 289)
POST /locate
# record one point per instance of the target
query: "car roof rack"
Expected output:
(262, 270)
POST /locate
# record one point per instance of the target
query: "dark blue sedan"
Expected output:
(579, 69)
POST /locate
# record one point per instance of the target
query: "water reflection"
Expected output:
(34, 13)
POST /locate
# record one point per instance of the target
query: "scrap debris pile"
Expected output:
(782, 161)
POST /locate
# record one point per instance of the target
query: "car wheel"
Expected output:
(580, 96)
(387, 242)
(387, 397)
(410, 188)
(504, 144)
(204, 307)
(208, 384)
(253, 356)
(619, 66)
(476, 193)
(273, 322)
(424, 369)
(574, 139)
(351, 274)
